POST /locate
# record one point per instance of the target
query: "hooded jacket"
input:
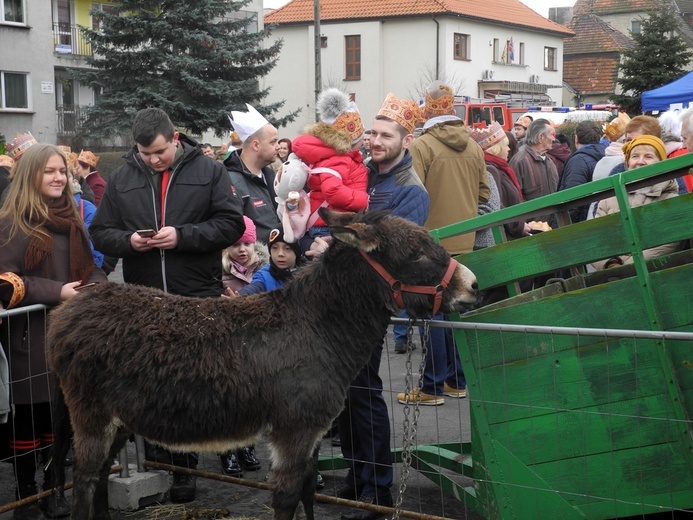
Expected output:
(578, 170)
(324, 146)
(199, 203)
(451, 167)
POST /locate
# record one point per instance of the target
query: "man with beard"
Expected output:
(251, 176)
(364, 427)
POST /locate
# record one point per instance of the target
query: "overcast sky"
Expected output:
(540, 6)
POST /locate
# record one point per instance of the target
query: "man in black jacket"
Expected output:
(168, 213)
(251, 176)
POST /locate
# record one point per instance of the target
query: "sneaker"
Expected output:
(451, 391)
(400, 347)
(247, 458)
(420, 398)
(230, 465)
(183, 488)
(320, 484)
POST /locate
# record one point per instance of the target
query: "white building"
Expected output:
(370, 48)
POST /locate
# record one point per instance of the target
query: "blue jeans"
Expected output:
(443, 363)
(400, 331)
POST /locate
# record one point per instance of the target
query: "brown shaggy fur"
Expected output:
(211, 374)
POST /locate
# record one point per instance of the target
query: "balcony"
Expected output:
(70, 119)
(69, 40)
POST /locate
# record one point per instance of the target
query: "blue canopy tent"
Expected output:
(679, 91)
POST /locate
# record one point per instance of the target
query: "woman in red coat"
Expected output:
(44, 243)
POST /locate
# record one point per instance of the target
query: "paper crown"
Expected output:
(616, 128)
(443, 102)
(335, 108)
(89, 158)
(65, 149)
(403, 111)
(6, 161)
(18, 288)
(247, 123)
(524, 122)
(487, 137)
(19, 145)
(235, 139)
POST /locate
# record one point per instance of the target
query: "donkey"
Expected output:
(130, 359)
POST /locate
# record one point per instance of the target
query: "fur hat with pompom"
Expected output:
(335, 108)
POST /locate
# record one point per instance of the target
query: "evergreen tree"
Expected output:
(659, 57)
(194, 59)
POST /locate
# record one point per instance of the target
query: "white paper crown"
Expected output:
(246, 124)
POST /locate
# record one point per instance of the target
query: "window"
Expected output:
(522, 53)
(461, 48)
(252, 26)
(12, 11)
(14, 91)
(635, 27)
(96, 20)
(352, 45)
(550, 62)
(496, 50)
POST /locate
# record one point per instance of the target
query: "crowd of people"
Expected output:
(202, 222)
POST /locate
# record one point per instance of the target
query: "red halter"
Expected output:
(398, 287)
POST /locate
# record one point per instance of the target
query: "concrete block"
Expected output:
(138, 490)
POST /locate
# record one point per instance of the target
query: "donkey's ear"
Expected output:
(336, 218)
(358, 235)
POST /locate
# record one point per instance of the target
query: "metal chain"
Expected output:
(409, 428)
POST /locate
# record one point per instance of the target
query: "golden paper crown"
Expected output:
(235, 139)
(65, 149)
(351, 123)
(615, 129)
(6, 161)
(487, 137)
(19, 145)
(524, 122)
(443, 105)
(89, 158)
(403, 111)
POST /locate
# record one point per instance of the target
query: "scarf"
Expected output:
(503, 165)
(281, 275)
(61, 219)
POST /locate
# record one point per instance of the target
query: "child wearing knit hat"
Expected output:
(243, 259)
(339, 178)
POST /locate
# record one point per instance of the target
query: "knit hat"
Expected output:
(650, 140)
(616, 128)
(250, 233)
(403, 111)
(335, 108)
(88, 158)
(277, 235)
(487, 137)
(247, 123)
(439, 99)
(524, 122)
(20, 144)
(6, 161)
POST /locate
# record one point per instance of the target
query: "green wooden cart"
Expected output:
(576, 425)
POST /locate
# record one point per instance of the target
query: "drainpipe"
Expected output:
(437, 48)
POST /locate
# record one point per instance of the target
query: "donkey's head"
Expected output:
(422, 275)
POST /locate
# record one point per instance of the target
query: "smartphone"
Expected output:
(146, 233)
(79, 287)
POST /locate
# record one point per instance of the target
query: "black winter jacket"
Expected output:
(257, 195)
(200, 204)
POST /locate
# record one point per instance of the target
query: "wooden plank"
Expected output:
(590, 431)
(664, 221)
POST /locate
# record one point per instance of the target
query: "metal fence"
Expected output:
(559, 423)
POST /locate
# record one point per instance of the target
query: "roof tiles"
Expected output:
(511, 12)
(592, 35)
(602, 7)
(591, 76)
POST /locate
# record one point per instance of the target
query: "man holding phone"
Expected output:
(168, 212)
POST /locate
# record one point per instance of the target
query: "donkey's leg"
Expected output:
(91, 448)
(101, 511)
(294, 471)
